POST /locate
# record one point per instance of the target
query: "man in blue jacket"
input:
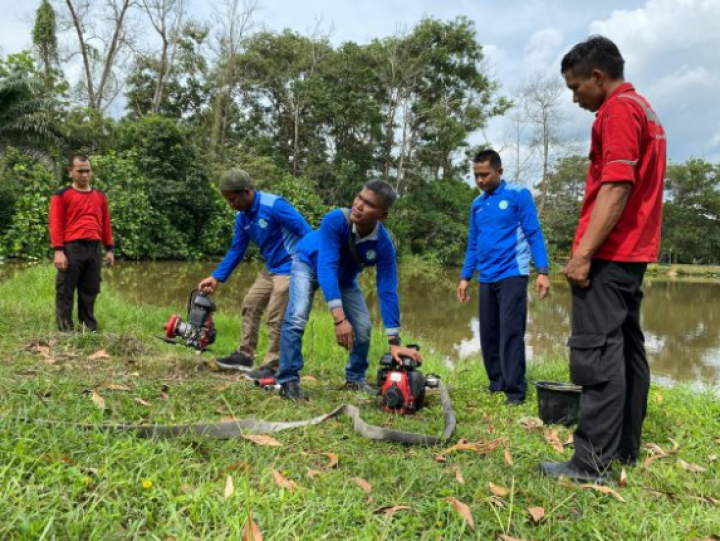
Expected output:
(332, 258)
(504, 233)
(275, 227)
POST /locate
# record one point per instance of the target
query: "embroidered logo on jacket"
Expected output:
(371, 255)
(503, 204)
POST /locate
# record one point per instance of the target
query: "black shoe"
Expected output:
(513, 402)
(362, 386)
(236, 361)
(262, 372)
(571, 471)
(291, 391)
(625, 460)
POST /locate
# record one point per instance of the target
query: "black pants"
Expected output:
(607, 357)
(82, 273)
(503, 316)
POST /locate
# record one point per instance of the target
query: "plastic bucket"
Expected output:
(558, 402)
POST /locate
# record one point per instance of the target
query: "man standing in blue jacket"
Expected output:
(276, 227)
(332, 258)
(504, 232)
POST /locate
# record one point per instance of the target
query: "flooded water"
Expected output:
(681, 319)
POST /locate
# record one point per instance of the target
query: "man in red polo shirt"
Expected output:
(79, 226)
(617, 236)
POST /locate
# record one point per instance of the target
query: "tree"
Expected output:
(44, 35)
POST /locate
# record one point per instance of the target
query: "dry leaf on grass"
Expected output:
(692, 468)
(229, 486)
(259, 439)
(283, 482)
(552, 437)
(116, 387)
(308, 378)
(99, 354)
(604, 490)
(497, 502)
(251, 532)
(531, 423)
(332, 460)
(459, 476)
(392, 510)
(708, 500)
(463, 510)
(224, 387)
(479, 447)
(504, 537)
(498, 490)
(623, 478)
(363, 484)
(314, 473)
(143, 402)
(536, 513)
(438, 457)
(99, 400)
(508, 456)
(655, 449)
(240, 465)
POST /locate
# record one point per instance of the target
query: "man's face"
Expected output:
(240, 201)
(588, 92)
(487, 178)
(367, 208)
(81, 172)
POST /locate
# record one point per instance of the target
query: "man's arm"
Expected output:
(468, 270)
(530, 225)
(107, 231)
(235, 254)
(290, 218)
(609, 205)
(57, 231)
(387, 286)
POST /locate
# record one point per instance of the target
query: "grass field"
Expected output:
(61, 482)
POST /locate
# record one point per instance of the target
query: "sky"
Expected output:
(670, 46)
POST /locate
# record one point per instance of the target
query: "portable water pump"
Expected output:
(402, 385)
(199, 330)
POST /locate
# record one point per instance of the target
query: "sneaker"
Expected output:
(236, 361)
(571, 471)
(262, 372)
(362, 386)
(291, 391)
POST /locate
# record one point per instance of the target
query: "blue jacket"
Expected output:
(326, 250)
(274, 225)
(504, 231)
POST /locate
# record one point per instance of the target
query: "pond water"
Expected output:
(681, 318)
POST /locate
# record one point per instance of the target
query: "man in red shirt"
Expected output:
(79, 226)
(617, 236)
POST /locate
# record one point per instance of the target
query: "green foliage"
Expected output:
(45, 41)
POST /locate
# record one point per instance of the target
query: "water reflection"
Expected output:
(681, 319)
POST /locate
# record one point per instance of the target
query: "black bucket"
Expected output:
(558, 402)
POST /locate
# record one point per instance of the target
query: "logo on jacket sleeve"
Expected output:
(262, 223)
(503, 204)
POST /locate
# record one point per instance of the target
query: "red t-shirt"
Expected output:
(628, 145)
(76, 215)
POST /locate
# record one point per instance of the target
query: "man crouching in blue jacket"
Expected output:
(504, 232)
(332, 258)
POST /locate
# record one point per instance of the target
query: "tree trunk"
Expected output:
(84, 52)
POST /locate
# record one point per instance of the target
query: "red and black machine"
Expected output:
(198, 332)
(402, 385)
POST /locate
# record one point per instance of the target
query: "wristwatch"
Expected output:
(394, 340)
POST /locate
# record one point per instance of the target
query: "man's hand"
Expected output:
(208, 285)
(109, 259)
(60, 260)
(542, 286)
(401, 351)
(577, 271)
(462, 291)
(345, 335)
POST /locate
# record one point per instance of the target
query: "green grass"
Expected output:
(60, 482)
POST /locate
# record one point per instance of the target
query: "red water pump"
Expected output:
(402, 385)
(199, 330)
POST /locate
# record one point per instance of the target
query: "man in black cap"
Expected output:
(275, 227)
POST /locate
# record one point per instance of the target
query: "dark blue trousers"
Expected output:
(503, 315)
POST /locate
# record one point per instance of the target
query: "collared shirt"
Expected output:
(76, 215)
(504, 232)
(274, 225)
(628, 145)
(326, 250)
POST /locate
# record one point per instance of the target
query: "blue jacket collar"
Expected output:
(496, 191)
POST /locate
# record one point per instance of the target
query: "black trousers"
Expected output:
(607, 357)
(82, 274)
(503, 317)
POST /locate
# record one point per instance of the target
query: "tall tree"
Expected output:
(44, 35)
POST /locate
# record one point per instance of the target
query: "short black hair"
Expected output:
(79, 156)
(489, 155)
(596, 52)
(384, 191)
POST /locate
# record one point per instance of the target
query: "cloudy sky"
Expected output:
(671, 47)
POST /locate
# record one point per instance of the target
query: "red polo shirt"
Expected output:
(628, 145)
